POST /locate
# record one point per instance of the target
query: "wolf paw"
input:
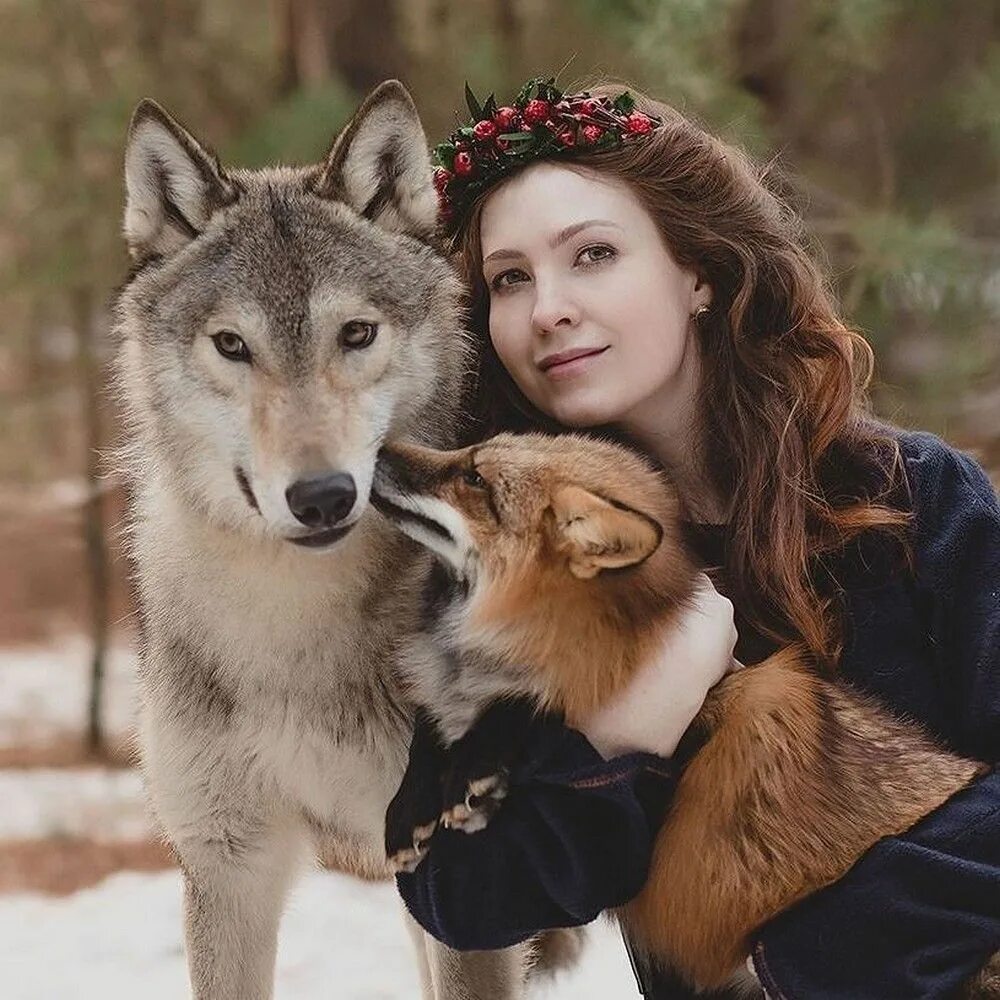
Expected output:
(475, 804)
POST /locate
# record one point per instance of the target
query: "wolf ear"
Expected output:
(596, 535)
(380, 164)
(173, 185)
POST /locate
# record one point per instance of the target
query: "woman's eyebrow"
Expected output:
(561, 237)
(570, 231)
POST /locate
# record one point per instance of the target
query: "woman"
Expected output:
(632, 274)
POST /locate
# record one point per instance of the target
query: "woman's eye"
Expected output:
(231, 346)
(472, 478)
(595, 254)
(358, 333)
(507, 278)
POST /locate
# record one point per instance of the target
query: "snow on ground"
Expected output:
(43, 691)
(91, 802)
(123, 937)
(340, 938)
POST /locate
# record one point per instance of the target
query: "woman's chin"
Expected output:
(583, 416)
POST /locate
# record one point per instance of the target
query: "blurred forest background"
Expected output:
(882, 118)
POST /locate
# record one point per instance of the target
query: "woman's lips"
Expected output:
(566, 364)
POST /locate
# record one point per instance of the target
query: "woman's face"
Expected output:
(589, 312)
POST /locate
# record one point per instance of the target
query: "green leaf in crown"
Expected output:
(541, 122)
(475, 109)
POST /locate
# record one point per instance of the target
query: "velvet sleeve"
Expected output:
(920, 913)
(574, 837)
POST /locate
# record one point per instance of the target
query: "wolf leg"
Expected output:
(419, 938)
(478, 975)
(233, 894)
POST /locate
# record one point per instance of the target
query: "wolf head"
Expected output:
(280, 323)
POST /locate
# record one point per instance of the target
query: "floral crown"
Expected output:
(542, 122)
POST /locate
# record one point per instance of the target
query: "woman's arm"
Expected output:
(571, 840)
(920, 913)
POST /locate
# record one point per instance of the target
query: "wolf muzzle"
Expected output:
(322, 501)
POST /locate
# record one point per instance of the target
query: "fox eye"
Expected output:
(472, 478)
(357, 334)
(231, 346)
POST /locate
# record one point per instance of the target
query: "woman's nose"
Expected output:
(553, 308)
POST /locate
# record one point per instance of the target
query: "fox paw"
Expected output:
(475, 804)
(406, 858)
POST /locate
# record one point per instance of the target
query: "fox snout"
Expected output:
(396, 471)
(403, 492)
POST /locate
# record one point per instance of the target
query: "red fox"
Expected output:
(563, 563)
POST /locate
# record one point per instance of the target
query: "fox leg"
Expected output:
(986, 984)
(234, 888)
(413, 813)
(479, 764)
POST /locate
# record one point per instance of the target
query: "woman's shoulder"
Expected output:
(956, 510)
(941, 476)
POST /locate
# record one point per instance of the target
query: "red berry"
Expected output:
(441, 177)
(537, 111)
(591, 133)
(588, 107)
(463, 164)
(638, 123)
(566, 137)
(485, 129)
(505, 118)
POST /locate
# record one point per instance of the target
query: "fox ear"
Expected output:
(597, 535)
(173, 185)
(380, 164)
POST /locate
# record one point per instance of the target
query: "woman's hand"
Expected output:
(652, 712)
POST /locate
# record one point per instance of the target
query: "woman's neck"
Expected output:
(675, 437)
(668, 424)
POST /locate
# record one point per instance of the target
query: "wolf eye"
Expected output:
(230, 345)
(358, 333)
(472, 478)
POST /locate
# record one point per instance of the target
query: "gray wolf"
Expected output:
(567, 564)
(277, 326)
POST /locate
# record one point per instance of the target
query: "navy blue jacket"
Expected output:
(915, 917)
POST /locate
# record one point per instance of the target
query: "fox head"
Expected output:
(566, 549)
(279, 323)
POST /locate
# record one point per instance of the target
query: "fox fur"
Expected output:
(569, 566)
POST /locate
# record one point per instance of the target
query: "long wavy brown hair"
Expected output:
(784, 400)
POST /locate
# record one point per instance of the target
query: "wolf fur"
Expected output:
(272, 725)
(568, 565)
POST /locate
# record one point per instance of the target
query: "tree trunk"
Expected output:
(365, 41)
(305, 49)
(95, 548)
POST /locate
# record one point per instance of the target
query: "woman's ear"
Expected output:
(701, 294)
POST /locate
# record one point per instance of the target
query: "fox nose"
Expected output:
(322, 501)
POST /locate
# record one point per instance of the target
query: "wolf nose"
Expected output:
(322, 501)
